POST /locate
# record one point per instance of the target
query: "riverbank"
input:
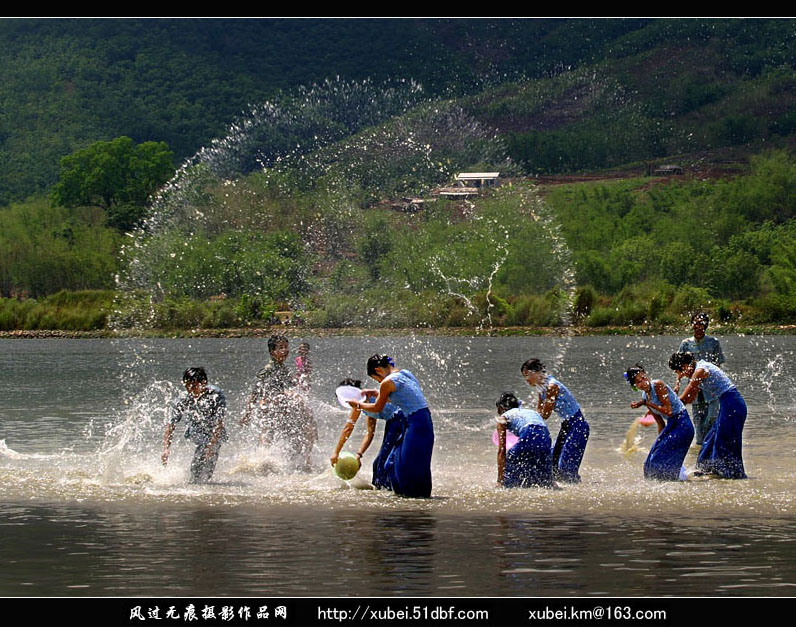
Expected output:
(265, 332)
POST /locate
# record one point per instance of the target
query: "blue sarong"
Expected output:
(530, 461)
(666, 456)
(721, 452)
(393, 433)
(408, 466)
(569, 448)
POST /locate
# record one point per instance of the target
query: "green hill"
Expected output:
(681, 85)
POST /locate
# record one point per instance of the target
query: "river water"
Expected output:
(86, 507)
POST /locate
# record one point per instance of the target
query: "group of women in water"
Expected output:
(527, 456)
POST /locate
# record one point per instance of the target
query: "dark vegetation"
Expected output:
(97, 114)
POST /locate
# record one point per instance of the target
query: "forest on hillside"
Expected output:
(208, 173)
(70, 82)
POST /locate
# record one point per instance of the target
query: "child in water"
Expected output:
(303, 367)
(394, 425)
(574, 433)
(203, 407)
(530, 461)
(408, 466)
(675, 429)
(721, 451)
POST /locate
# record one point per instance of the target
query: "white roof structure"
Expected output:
(469, 176)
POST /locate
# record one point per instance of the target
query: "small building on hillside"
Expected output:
(668, 170)
(470, 184)
(478, 179)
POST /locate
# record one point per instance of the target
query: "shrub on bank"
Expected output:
(64, 311)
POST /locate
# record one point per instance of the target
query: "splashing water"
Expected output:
(347, 141)
(774, 368)
(632, 442)
(324, 138)
(540, 212)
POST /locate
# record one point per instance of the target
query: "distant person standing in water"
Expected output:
(304, 367)
(278, 410)
(408, 466)
(574, 432)
(721, 452)
(203, 407)
(707, 348)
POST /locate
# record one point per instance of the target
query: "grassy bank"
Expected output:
(310, 332)
(108, 313)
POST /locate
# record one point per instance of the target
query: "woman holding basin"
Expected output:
(408, 466)
(394, 425)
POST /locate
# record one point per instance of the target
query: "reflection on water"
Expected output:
(87, 508)
(177, 551)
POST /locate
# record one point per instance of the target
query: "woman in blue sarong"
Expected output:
(721, 453)
(675, 429)
(394, 425)
(529, 462)
(574, 432)
(408, 466)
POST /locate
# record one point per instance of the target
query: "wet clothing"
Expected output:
(387, 412)
(705, 412)
(202, 465)
(202, 416)
(394, 429)
(408, 465)
(268, 400)
(716, 383)
(566, 406)
(721, 452)
(518, 418)
(303, 373)
(667, 454)
(530, 461)
(407, 395)
(705, 408)
(572, 436)
(394, 426)
(281, 416)
(674, 401)
(569, 448)
(708, 348)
